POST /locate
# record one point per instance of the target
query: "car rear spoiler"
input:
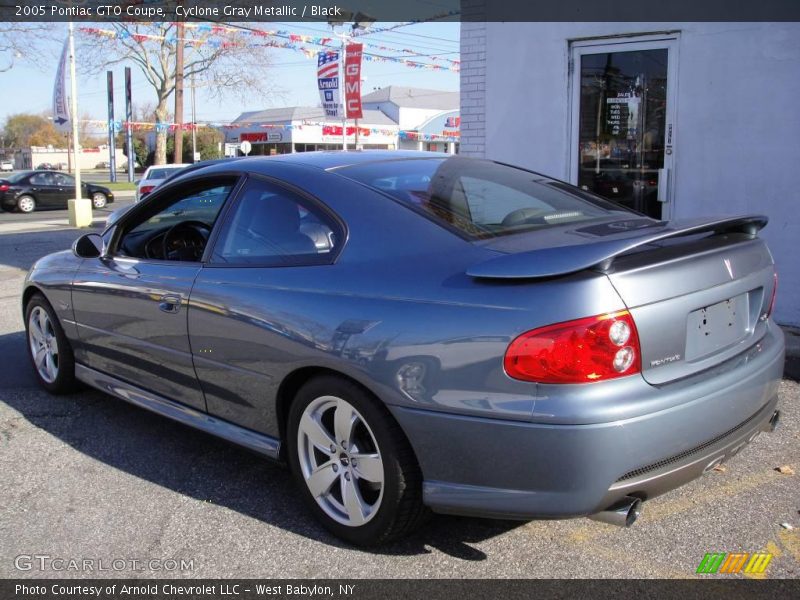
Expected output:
(562, 260)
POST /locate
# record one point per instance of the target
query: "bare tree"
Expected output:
(23, 42)
(231, 64)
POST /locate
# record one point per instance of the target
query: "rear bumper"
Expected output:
(509, 469)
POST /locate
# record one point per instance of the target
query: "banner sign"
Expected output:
(61, 119)
(352, 81)
(328, 82)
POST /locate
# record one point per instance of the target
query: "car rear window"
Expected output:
(160, 173)
(480, 198)
(17, 177)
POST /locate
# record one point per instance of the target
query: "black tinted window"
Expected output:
(61, 179)
(479, 198)
(273, 226)
(42, 179)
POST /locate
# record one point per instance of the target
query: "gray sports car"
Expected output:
(415, 332)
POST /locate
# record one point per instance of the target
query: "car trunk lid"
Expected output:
(698, 290)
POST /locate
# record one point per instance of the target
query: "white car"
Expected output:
(6, 165)
(153, 177)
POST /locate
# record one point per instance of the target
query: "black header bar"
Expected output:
(393, 589)
(348, 11)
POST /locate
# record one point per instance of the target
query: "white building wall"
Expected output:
(88, 158)
(388, 108)
(737, 130)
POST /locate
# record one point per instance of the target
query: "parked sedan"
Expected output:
(37, 190)
(414, 332)
(6, 166)
(155, 176)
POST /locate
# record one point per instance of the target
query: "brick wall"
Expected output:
(473, 89)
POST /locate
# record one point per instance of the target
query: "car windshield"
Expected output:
(16, 177)
(479, 198)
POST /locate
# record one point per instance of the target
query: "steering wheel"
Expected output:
(524, 216)
(189, 245)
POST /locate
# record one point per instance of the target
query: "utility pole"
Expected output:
(343, 35)
(74, 101)
(128, 132)
(178, 156)
(194, 124)
(80, 209)
(112, 143)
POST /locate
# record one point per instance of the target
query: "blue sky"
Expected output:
(29, 89)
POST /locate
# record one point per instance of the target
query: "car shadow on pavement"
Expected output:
(205, 468)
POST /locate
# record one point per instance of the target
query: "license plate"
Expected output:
(717, 326)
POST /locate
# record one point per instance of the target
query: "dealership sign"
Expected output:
(328, 82)
(258, 136)
(352, 81)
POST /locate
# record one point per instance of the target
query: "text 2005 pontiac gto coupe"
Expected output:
(415, 332)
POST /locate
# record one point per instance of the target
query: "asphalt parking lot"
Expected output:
(56, 219)
(89, 476)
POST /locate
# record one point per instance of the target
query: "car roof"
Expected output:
(325, 160)
(170, 166)
(334, 159)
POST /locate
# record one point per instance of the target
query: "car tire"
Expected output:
(99, 200)
(26, 204)
(363, 505)
(48, 348)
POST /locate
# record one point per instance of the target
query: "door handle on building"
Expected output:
(664, 185)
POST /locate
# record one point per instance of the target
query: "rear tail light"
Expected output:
(146, 189)
(581, 351)
(4, 187)
(771, 302)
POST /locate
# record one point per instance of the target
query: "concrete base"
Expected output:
(80, 212)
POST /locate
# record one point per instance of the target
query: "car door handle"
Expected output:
(169, 303)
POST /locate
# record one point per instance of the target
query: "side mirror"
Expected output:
(89, 245)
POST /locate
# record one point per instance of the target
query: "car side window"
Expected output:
(273, 226)
(42, 179)
(63, 179)
(178, 226)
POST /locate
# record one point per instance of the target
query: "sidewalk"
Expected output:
(49, 225)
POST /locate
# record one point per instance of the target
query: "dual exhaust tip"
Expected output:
(622, 514)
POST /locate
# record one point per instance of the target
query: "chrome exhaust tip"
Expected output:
(622, 514)
(774, 420)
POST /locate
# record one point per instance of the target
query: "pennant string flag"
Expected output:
(281, 39)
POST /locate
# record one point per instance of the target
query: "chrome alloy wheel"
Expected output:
(340, 461)
(43, 344)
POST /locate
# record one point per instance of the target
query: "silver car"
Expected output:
(417, 333)
(155, 176)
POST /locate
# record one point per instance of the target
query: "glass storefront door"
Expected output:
(622, 126)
